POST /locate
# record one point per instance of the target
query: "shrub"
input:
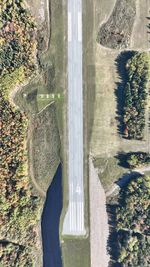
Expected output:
(138, 159)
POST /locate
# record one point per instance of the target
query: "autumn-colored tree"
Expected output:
(133, 223)
(18, 205)
(135, 95)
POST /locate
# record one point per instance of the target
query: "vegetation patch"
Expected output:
(138, 159)
(14, 254)
(19, 208)
(134, 159)
(18, 42)
(19, 211)
(108, 171)
(135, 95)
(133, 223)
(45, 146)
(116, 32)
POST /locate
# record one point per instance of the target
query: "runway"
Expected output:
(74, 220)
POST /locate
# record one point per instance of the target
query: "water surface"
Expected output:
(50, 222)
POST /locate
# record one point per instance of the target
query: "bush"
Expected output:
(138, 159)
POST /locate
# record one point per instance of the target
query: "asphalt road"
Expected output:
(74, 220)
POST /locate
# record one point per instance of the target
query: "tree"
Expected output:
(135, 94)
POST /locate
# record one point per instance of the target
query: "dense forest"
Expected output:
(133, 223)
(135, 95)
(19, 207)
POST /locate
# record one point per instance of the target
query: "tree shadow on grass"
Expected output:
(123, 158)
(120, 63)
(127, 177)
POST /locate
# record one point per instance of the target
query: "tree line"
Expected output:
(133, 223)
(19, 206)
(135, 95)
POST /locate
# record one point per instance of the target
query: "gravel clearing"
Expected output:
(98, 221)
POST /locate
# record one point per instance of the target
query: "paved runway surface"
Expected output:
(74, 220)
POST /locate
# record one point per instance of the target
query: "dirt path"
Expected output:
(98, 221)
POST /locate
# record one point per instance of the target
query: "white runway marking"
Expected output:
(79, 27)
(69, 27)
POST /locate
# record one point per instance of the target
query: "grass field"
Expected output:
(140, 35)
(109, 171)
(44, 154)
(106, 140)
(77, 253)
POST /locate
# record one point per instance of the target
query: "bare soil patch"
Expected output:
(98, 221)
(116, 32)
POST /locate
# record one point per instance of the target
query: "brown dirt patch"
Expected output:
(116, 32)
